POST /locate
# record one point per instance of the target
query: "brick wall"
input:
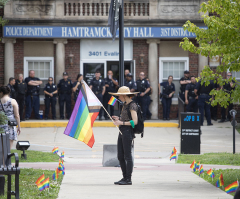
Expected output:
(140, 46)
(193, 64)
(18, 57)
(173, 111)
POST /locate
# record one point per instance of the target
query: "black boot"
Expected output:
(126, 182)
(119, 181)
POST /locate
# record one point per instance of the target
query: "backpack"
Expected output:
(139, 128)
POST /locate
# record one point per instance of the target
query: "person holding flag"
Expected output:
(127, 120)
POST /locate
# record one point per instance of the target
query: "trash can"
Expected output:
(190, 133)
(41, 114)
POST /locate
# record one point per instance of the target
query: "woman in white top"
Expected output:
(10, 107)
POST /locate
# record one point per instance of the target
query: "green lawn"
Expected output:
(28, 188)
(229, 176)
(211, 158)
(238, 129)
(36, 156)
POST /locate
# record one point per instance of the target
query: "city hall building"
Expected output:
(53, 36)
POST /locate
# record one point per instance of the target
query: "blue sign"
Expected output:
(93, 32)
(192, 118)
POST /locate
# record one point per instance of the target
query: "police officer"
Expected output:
(130, 83)
(183, 82)
(149, 100)
(143, 88)
(11, 85)
(203, 100)
(167, 94)
(50, 91)
(65, 91)
(77, 86)
(32, 96)
(214, 108)
(125, 75)
(227, 88)
(111, 84)
(21, 89)
(98, 87)
(191, 99)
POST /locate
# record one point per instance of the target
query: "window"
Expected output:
(237, 75)
(174, 66)
(43, 67)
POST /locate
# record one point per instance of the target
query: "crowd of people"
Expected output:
(192, 93)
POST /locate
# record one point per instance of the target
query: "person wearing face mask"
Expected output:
(110, 83)
(125, 138)
(77, 86)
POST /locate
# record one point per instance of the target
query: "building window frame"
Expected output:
(172, 59)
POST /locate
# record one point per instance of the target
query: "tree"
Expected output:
(222, 38)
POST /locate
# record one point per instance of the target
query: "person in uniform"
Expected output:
(183, 82)
(167, 95)
(130, 83)
(149, 100)
(214, 108)
(125, 75)
(77, 86)
(11, 85)
(143, 88)
(203, 93)
(50, 91)
(21, 89)
(110, 83)
(65, 90)
(191, 99)
(32, 96)
(98, 87)
(227, 88)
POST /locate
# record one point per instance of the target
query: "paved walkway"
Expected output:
(154, 175)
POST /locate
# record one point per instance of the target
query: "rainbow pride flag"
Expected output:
(217, 183)
(55, 174)
(174, 150)
(173, 156)
(193, 165)
(232, 187)
(40, 179)
(62, 154)
(55, 150)
(210, 172)
(85, 112)
(197, 165)
(112, 101)
(201, 170)
(221, 180)
(43, 185)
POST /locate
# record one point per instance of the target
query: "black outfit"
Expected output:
(183, 88)
(192, 105)
(32, 98)
(142, 86)
(130, 84)
(97, 88)
(77, 91)
(13, 93)
(166, 100)
(65, 91)
(149, 100)
(214, 108)
(227, 88)
(107, 96)
(21, 89)
(50, 100)
(203, 100)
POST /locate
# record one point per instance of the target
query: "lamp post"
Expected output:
(234, 123)
(121, 39)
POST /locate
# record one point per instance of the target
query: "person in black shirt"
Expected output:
(32, 96)
(110, 83)
(184, 81)
(149, 100)
(125, 75)
(65, 91)
(21, 89)
(167, 95)
(50, 91)
(191, 99)
(98, 87)
(130, 83)
(227, 88)
(77, 86)
(204, 104)
(143, 88)
(11, 85)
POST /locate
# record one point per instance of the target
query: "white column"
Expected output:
(153, 75)
(8, 59)
(202, 61)
(60, 58)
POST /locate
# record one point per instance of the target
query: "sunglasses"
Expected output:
(50, 80)
(229, 75)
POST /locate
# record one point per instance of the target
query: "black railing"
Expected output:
(181, 106)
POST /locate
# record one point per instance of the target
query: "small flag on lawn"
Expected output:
(221, 180)
(112, 101)
(173, 156)
(55, 174)
(62, 154)
(193, 165)
(201, 170)
(210, 172)
(55, 150)
(174, 150)
(40, 179)
(197, 165)
(232, 187)
(43, 185)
